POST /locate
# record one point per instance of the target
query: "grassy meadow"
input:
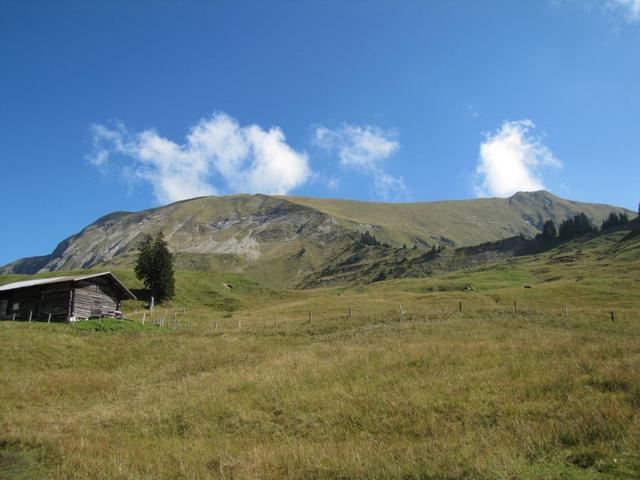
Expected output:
(239, 382)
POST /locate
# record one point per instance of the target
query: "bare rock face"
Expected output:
(212, 225)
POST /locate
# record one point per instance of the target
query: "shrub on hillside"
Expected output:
(367, 239)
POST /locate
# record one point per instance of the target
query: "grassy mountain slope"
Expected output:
(282, 240)
(463, 222)
(222, 391)
(592, 269)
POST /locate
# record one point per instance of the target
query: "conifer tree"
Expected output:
(578, 225)
(549, 231)
(145, 258)
(624, 218)
(163, 263)
(610, 221)
(367, 239)
(567, 228)
(615, 219)
(154, 266)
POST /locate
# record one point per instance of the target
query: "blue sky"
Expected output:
(120, 105)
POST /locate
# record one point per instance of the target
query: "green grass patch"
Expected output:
(112, 325)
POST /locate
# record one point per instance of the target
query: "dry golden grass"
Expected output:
(370, 397)
(431, 394)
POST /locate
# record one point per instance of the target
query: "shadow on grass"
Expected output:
(19, 460)
(141, 294)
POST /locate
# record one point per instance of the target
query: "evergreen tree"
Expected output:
(567, 229)
(154, 266)
(624, 218)
(615, 219)
(583, 224)
(367, 239)
(549, 231)
(163, 262)
(145, 258)
(578, 225)
(610, 221)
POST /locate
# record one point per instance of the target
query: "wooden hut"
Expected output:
(67, 298)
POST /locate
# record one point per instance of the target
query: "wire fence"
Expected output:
(203, 321)
(206, 321)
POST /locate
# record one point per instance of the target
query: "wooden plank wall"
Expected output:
(91, 299)
(83, 299)
(38, 302)
(26, 301)
(55, 301)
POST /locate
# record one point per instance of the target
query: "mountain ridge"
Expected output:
(283, 238)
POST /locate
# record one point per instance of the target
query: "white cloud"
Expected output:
(364, 148)
(245, 158)
(629, 9)
(333, 183)
(387, 186)
(512, 160)
(617, 11)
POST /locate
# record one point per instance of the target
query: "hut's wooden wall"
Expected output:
(21, 303)
(38, 302)
(91, 298)
(55, 301)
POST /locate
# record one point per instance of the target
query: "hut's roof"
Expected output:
(68, 278)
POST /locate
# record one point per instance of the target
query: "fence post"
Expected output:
(460, 307)
(275, 320)
(401, 311)
(239, 324)
(515, 307)
(30, 314)
(310, 317)
(613, 315)
(349, 314)
(566, 311)
(144, 317)
(49, 318)
(13, 318)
